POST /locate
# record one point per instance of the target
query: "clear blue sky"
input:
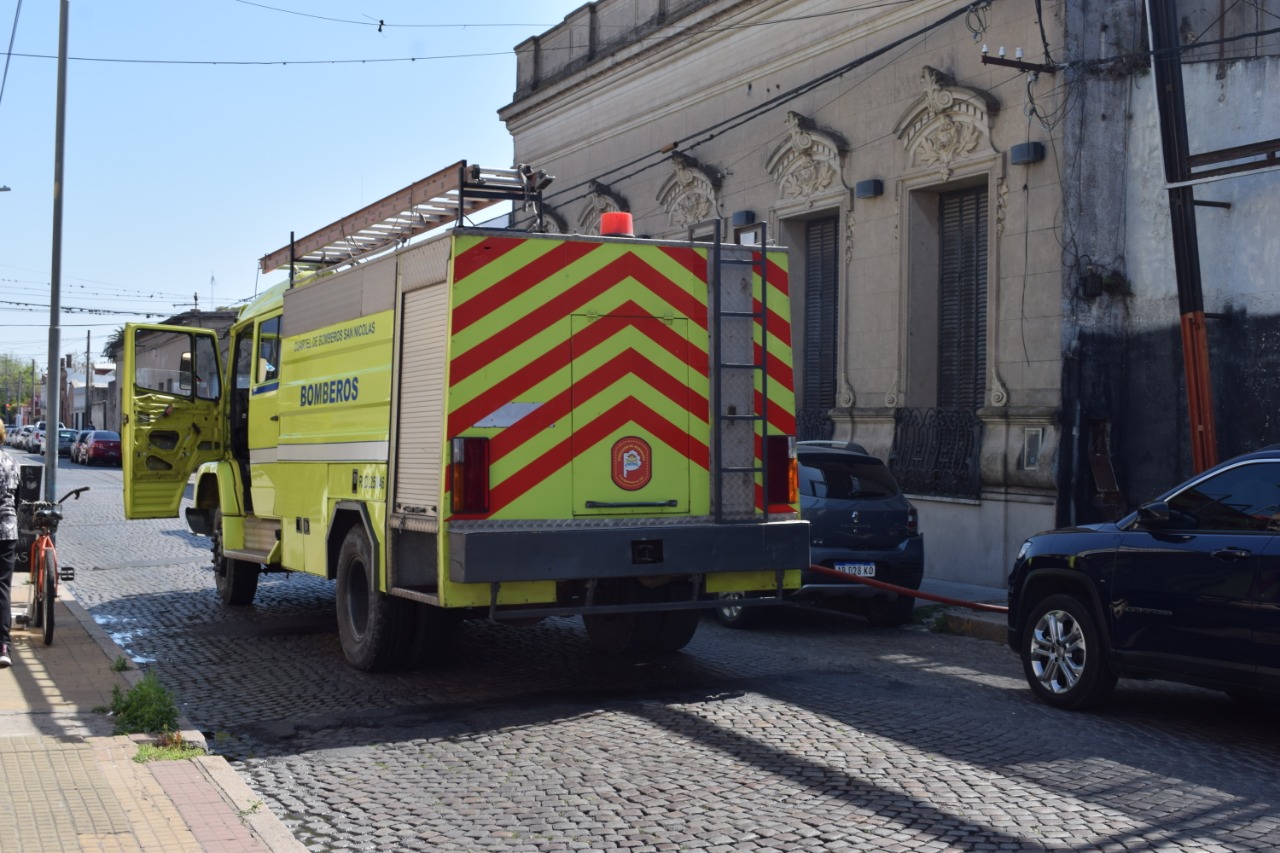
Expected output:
(176, 175)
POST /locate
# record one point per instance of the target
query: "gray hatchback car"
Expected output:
(861, 525)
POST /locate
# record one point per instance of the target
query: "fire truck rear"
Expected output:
(484, 422)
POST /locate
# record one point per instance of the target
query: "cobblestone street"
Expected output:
(812, 733)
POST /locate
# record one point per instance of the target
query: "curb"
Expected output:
(980, 626)
(261, 822)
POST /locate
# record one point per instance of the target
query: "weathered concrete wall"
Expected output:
(1130, 353)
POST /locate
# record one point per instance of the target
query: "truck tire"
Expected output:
(369, 622)
(236, 580)
(1063, 656)
(649, 632)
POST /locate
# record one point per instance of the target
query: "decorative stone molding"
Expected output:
(848, 237)
(601, 199)
(553, 222)
(689, 195)
(893, 397)
(847, 398)
(947, 124)
(1002, 204)
(808, 161)
(999, 394)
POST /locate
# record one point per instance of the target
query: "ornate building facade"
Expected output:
(943, 214)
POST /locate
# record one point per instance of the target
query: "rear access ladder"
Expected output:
(737, 360)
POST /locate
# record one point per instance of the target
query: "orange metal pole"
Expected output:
(1195, 359)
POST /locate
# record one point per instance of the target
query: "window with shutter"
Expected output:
(962, 299)
(821, 313)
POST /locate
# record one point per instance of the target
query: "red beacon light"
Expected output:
(615, 223)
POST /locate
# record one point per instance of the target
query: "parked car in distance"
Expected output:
(66, 437)
(102, 447)
(35, 441)
(1186, 588)
(78, 444)
(860, 524)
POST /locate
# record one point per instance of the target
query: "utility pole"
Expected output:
(88, 377)
(1167, 67)
(55, 277)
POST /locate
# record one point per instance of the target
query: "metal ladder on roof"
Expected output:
(736, 363)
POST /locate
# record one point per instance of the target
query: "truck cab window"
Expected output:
(269, 351)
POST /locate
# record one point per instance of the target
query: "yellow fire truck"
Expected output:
(483, 422)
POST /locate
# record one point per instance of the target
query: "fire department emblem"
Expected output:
(632, 463)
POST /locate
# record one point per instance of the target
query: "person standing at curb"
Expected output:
(8, 544)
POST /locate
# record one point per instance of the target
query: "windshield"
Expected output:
(845, 478)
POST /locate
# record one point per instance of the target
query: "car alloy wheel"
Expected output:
(1063, 656)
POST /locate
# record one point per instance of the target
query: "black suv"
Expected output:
(1187, 588)
(860, 524)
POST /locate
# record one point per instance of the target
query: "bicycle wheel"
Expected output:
(49, 594)
(35, 595)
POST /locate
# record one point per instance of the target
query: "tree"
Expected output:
(114, 342)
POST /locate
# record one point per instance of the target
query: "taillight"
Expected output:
(784, 469)
(469, 475)
(913, 521)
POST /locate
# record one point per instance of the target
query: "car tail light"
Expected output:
(913, 521)
(784, 469)
(469, 475)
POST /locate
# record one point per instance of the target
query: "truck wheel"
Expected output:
(648, 632)
(367, 619)
(1063, 655)
(236, 580)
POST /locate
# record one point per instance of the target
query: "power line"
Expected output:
(383, 60)
(380, 24)
(12, 34)
(261, 62)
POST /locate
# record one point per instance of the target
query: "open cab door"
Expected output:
(173, 414)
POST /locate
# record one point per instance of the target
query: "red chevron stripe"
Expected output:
(778, 327)
(778, 370)
(558, 408)
(627, 411)
(564, 304)
(691, 259)
(482, 254)
(465, 416)
(780, 419)
(521, 280)
(778, 277)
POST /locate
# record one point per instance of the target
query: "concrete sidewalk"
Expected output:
(68, 784)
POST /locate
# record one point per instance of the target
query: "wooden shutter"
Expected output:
(821, 314)
(962, 294)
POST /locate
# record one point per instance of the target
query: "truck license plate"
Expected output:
(862, 570)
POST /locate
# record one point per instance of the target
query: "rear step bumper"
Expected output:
(481, 556)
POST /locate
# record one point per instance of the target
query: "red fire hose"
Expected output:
(914, 593)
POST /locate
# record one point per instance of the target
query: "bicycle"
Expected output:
(43, 562)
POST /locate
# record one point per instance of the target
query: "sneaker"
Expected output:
(5, 660)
